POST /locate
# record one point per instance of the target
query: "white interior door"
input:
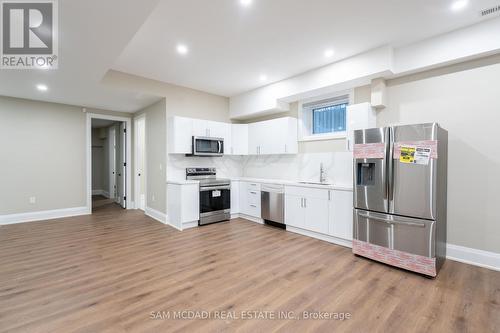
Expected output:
(112, 163)
(140, 179)
(122, 166)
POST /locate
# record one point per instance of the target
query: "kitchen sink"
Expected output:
(316, 183)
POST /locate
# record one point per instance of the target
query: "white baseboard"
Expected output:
(467, 255)
(188, 225)
(101, 192)
(247, 217)
(159, 216)
(43, 215)
(155, 214)
(326, 238)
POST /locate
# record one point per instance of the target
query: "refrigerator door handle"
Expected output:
(413, 224)
(390, 170)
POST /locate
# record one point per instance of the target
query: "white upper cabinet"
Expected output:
(359, 116)
(239, 140)
(212, 129)
(179, 132)
(270, 137)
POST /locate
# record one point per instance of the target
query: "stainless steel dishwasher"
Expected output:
(273, 204)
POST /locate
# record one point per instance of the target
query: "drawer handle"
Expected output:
(254, 206)
(253, 192)
(414, 224)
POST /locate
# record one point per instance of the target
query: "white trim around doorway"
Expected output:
(137, 195)
(88, 149)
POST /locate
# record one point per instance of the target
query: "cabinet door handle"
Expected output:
(329, 196)
(285, 149)
(253, 192)
(305, 202)
(255, 206)
(301, 202)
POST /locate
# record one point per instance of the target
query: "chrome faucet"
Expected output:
(322, 174)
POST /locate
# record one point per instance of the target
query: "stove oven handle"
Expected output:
(214, 188)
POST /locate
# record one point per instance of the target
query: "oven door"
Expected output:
(215, 203)
(204, 146)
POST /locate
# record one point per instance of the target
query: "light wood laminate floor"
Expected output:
(110, 271)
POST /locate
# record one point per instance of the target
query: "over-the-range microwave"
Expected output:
(207, 146)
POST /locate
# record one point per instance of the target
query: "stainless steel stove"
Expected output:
(215, 195)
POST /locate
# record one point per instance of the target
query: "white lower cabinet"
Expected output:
(294, 212)
(316, 214)
(235, 197)
(307, 208)
(341, 215)
(250, 199)
(323, 211)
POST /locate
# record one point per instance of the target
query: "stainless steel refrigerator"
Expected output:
(400, 181)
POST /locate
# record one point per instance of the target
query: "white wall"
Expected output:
(42, 154)
(467, 104)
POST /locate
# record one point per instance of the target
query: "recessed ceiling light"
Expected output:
(263, 77)
(329, 53)
(182, 49)
(42, 87)
(246, 2)
(459, 5)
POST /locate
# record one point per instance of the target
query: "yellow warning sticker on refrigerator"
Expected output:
(415, 155)
(407, 154)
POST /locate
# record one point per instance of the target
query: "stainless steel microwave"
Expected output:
(206, 146)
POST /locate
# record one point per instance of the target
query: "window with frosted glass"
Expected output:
(329, 119)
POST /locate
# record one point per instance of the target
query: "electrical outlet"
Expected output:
(32, 200)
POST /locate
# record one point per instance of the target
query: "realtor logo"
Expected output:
(29, 34)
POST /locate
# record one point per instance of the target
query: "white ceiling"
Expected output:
(92, 34)
(231, 45)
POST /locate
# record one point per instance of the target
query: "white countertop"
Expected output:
(183, 182)
(339, 187)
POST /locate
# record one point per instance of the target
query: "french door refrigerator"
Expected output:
(400, 181)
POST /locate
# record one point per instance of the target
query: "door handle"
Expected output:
(381, 219)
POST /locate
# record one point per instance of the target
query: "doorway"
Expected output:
(108, 162)
(140, 161)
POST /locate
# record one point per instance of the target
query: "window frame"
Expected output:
(306, 108)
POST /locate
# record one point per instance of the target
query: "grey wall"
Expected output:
(42, 154)
(156, 149)
(99, 158)
(467, 104)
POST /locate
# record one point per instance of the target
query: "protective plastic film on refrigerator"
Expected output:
(400, 180)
